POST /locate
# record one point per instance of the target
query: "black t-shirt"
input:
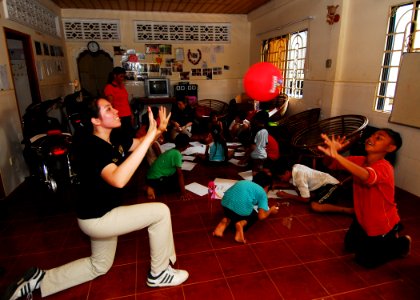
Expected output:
(182, 117)
(96, 197)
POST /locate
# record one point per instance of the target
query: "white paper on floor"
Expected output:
(222, 185)
(187, 165)
(197, 188)
(247, 175)
(273, 193)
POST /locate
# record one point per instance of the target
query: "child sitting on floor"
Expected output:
(238, 204)
(165, 172)
(374, 234)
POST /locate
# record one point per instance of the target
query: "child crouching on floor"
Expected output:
(238, 204)
(165, 173)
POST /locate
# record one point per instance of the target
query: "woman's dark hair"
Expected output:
(262, 179)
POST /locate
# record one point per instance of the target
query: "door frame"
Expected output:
(30, 63)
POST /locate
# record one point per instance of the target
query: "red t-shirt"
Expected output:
(272, 148)
(374, 202)
(120, 99)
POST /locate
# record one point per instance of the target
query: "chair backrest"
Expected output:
(350, 126)
(299, 121)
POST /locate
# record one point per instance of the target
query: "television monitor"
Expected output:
(157, 87)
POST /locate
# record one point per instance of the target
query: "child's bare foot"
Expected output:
(150, 193)
(220, 228)
(239, 235)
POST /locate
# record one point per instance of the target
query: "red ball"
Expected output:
(263, 81)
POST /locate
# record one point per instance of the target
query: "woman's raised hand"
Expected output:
(164, 119)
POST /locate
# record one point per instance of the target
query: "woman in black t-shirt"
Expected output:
(105, 168)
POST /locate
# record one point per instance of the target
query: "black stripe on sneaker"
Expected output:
(167, 278)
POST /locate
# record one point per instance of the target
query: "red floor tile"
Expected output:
(329, 273)
(296, 282)
(253, 286)
(216, 289)
(202, 266)
(274, 254)
(309, 248)
(120, 281)
(238, 260)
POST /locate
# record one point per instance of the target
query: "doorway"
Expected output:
(94, 70)
(22, 63)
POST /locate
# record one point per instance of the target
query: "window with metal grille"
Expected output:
(402, 37)
(288, 53)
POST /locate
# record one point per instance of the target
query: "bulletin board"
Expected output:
(406, 106)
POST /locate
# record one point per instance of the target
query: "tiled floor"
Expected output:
(294, 255)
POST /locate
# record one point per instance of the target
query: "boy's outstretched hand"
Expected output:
(333, 145)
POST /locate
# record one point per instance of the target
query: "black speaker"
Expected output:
(183, 89)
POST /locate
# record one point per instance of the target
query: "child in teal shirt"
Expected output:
(238, 204)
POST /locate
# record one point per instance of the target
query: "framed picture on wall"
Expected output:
(46, 49)
(152, 49)
(38, 48)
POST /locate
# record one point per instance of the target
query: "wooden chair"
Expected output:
(307, 140)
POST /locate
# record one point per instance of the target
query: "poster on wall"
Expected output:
(152, 49)
(165, 49)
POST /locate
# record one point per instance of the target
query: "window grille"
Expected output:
(402, 36)
(91, 29)
(288, 53)
(33, 15)
(169, 32)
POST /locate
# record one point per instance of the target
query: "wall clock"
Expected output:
(93, 47)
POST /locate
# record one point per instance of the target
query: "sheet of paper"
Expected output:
(194, 144)
(197, 188)
(166, 146)
(239, 154)
(195, 150)
(272, 193)
(236, 162)
(233, 144)
(187, 165)
(188, 158)
(222, 185)
(247, 175)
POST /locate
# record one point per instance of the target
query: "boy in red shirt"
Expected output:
(374, 234)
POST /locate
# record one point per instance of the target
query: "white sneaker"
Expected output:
(29, 282)
(168, 277)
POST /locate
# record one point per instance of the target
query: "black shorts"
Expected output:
(328, 193)
(235, 218)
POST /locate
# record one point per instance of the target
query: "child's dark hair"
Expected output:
(395, 137)
(182, 140)
(261, 117)
(262, 179)
(280, 166)
(115, 71)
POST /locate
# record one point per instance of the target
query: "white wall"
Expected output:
(355, 44)
(235, 54)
